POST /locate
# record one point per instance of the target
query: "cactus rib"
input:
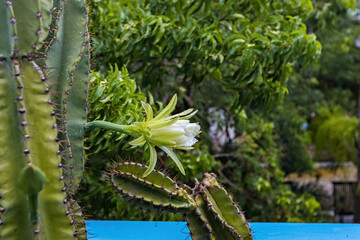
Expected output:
(67, 53)
(6, 31)
(223, 207)
(199, 229)
(44, 152)
(32, 20)
(77, 112)
(12, 199)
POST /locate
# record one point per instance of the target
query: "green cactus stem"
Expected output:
(198, 227)
(222, 206)
(12, 161)
(154, 191)
(209, 209)
(43, 100)
(6, 32)
(67, 65)
(30, 20)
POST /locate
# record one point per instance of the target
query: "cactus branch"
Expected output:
(209, 209)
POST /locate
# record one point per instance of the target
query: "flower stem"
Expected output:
(127, 129)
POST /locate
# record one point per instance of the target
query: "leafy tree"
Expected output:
(336, 137)
(292, 139)
(333, 82)
(247, 47)
(253, 172)
(228, 59)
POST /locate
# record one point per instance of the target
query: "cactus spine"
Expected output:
(209, 209)
(44, 64)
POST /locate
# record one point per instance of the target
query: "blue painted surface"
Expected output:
(124, 230)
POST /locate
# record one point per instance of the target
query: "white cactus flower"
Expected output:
(165, 131)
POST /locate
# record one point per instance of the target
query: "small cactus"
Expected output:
(208, 208)
(44, 65)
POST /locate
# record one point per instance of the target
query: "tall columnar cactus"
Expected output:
(209, 209)
(44, 65)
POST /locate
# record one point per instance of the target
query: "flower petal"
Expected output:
(168, 132)
(148, 111)
(182, 141)
(160, 123)
(189, 116)
(138, 142)
(173, 156)
(184, 148)
(153, 159)
(182, 114)
(182, 123)
(161, 141)
(192, 129)
(168, 109)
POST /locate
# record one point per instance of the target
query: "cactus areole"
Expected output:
(44, 67)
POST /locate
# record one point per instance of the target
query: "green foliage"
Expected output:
(195, 163)
(327, 14)
(335, 135)
(243, 52)
(336, 73)
(317, 91)
(292, 139)
(43, 92)
(247, 46)
(116, 98)
(335, 127)
(321, 195)
(253, 171)
(341, 55)
(331, 83)
(113, 98)
(221, 58)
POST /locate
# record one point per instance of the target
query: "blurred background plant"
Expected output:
(267, 101)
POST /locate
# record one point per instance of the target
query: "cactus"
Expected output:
(208, 208)
(44, 65)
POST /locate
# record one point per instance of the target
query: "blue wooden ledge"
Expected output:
(125, 230)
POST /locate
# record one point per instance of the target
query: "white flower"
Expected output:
(165, 131)
(180, 134)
